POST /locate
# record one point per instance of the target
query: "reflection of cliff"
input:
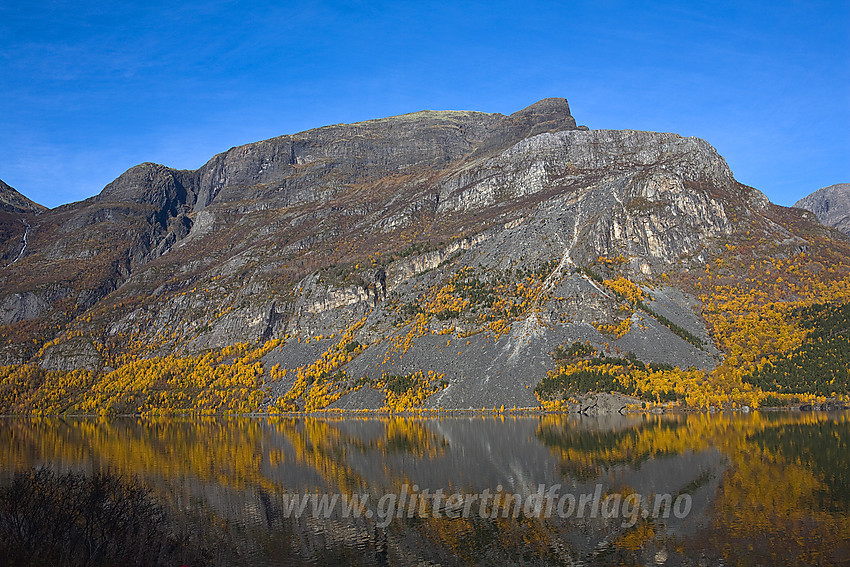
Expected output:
(753, 480)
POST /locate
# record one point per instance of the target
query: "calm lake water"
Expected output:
(757, 489)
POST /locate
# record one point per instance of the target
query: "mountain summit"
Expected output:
(437, 259)
(831, 205)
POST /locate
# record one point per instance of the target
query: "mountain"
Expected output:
(831, 205)
(13, 202)
(436, 259)
(15, 209)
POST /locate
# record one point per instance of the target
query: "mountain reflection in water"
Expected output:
(764, 488)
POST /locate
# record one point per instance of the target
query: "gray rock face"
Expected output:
(608, 191)
(21, 307)
(151, 184)
(831, 205)
(78, 353)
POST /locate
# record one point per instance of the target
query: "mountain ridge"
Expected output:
(264, 160)
(14, 202)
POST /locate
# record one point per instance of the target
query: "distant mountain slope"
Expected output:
(15, 209)
(444, 258)
(831, 205)
(12, 201)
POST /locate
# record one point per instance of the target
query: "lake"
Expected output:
(693, 489)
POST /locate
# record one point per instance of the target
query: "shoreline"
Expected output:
(833, 407)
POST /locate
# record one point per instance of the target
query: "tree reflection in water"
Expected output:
(766, 488)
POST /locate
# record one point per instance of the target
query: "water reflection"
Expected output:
(763, 488)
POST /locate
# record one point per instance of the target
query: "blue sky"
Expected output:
(90, 89)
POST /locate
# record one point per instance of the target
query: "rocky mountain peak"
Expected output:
(13, 202)
(547, 115)
(149, 183)
(831, 205)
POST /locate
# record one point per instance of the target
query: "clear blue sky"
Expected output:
(89, 89)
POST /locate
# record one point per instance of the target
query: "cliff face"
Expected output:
(466, 243)
(831, 205)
